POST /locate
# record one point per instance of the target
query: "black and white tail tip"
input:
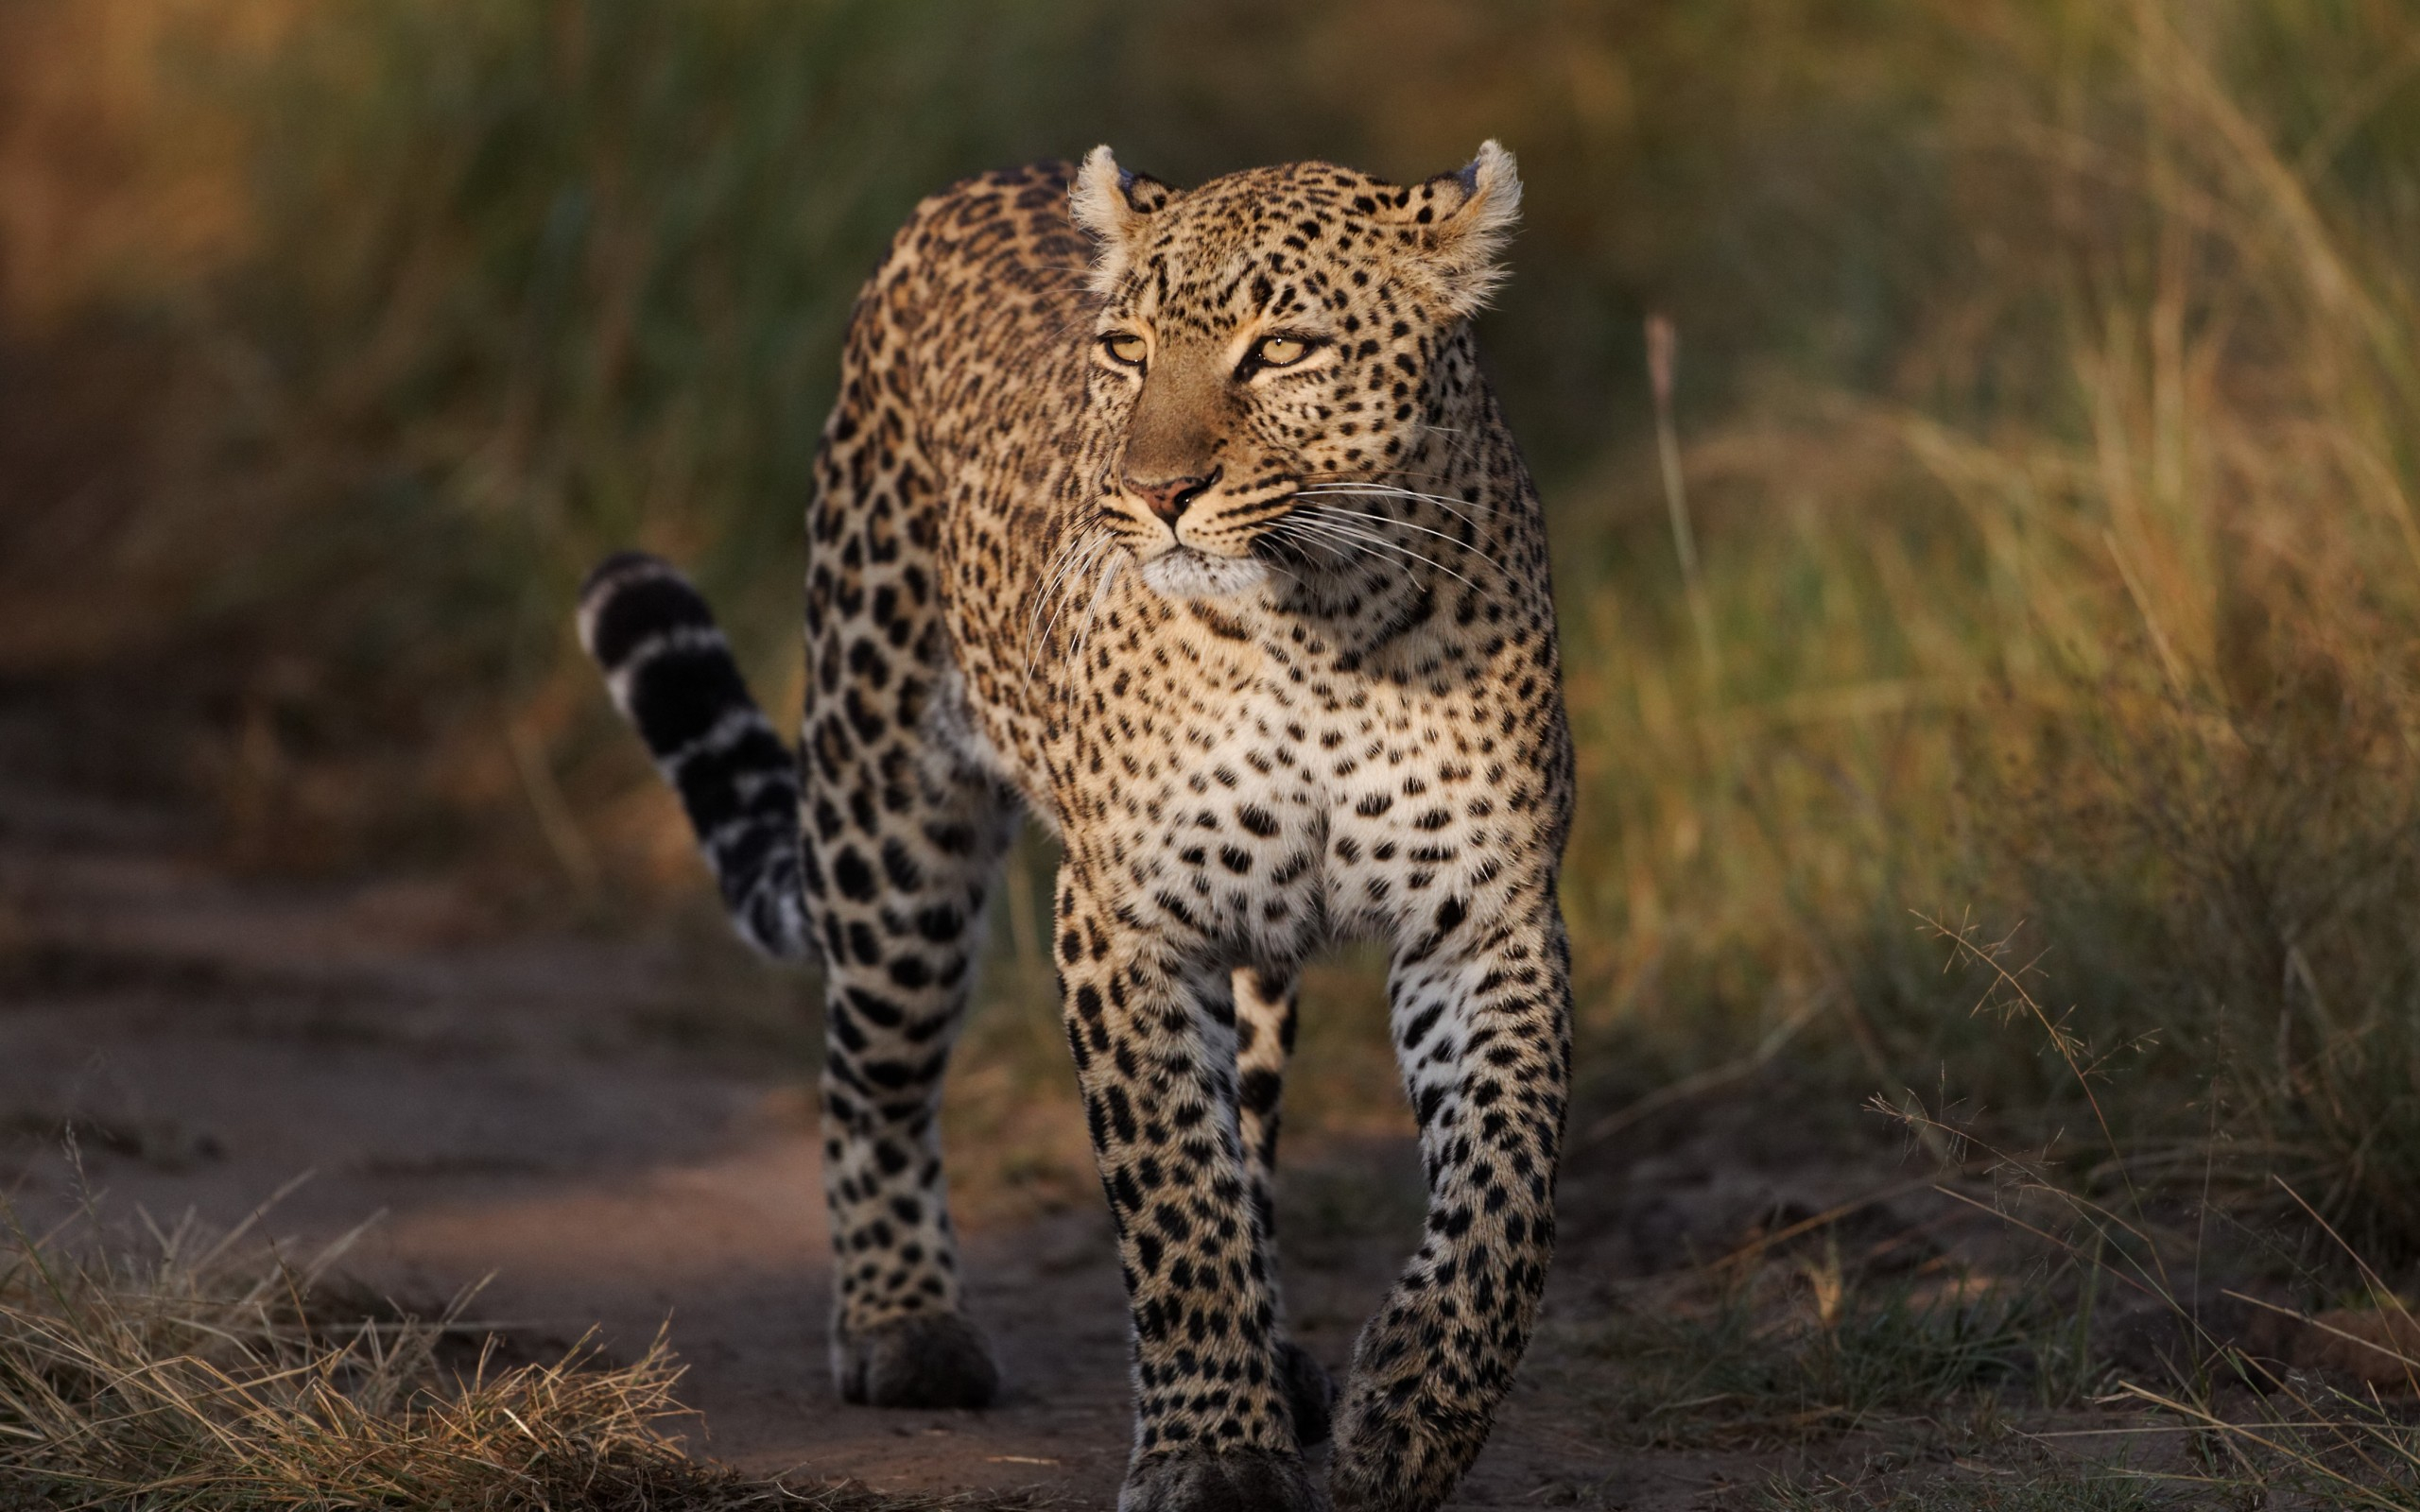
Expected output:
(672, 676)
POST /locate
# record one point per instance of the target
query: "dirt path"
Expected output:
(510, 1107)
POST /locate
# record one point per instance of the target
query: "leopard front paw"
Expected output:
(1242, 1480)
(1399, 1462)
(922, 1360)
(1404, 1435)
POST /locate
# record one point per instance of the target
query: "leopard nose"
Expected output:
(1169, 497)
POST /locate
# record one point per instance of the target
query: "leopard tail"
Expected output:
(672, 676)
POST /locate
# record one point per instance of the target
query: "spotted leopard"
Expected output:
(1184, 523)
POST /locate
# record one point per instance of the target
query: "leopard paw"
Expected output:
(1401, 1444)
(1245, 1480)
(922, 1360)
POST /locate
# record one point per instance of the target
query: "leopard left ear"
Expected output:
(1464, 219)
(1114, 206)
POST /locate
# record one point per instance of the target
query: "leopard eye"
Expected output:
(1125, 347)
(1280, 351)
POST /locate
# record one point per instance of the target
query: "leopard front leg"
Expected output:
(1480, 1008)
(1214, 1427)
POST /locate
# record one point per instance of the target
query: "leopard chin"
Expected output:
(1183, 573)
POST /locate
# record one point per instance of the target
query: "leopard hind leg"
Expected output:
(874, 853)
(899, 914)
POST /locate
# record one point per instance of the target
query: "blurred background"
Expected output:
(2044, 426)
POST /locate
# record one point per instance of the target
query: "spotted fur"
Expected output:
(1184, 523)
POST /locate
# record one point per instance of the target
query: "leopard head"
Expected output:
(1273, 331)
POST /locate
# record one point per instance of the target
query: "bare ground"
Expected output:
(529, 1109)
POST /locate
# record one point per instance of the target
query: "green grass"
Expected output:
(1772, 1357)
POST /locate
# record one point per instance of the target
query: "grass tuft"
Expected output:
(194, 1372)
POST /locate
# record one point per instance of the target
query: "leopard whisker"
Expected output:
(1100, 591)
(1057, 569)
(1370, 546)
(1330, 510)
(1284, 529)
(1372, 539)
(1082, 564)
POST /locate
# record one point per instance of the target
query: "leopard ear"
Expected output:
(1114, 206)
(1464, 219)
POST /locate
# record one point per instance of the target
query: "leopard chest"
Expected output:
(1269, 801)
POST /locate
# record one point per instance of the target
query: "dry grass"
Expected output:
(187, 1370)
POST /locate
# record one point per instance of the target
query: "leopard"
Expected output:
(1183, 523)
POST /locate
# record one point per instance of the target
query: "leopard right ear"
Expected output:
(1114, 207)
(1464, 219)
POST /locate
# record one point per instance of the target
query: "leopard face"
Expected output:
(1271, 337)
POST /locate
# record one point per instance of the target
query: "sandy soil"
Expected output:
(509, 1109)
